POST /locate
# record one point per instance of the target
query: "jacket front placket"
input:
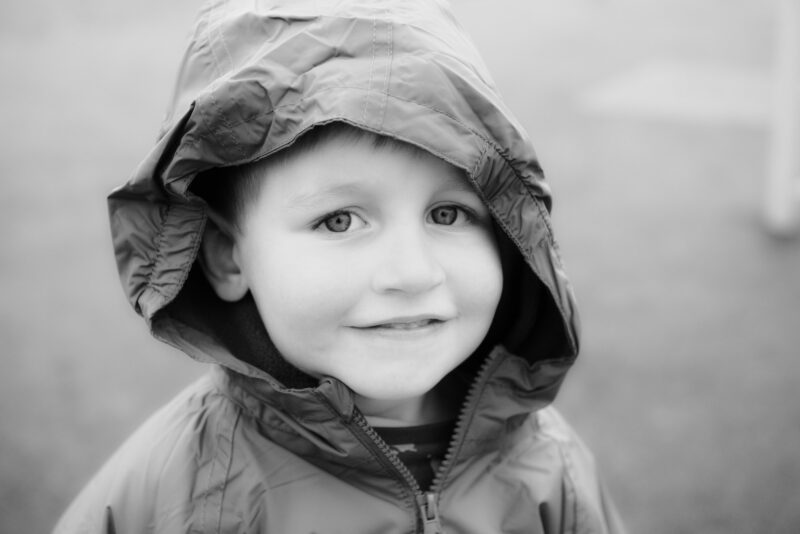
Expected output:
(426, 503)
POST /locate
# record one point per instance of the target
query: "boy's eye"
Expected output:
(340, 222)
(447, 215)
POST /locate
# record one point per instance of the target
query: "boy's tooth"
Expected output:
(408, 326)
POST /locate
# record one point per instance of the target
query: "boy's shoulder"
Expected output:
(546, 436)
(159, 465)
(200, 411)
(556, 457)
(542, 473)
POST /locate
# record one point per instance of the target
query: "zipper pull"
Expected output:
(429, 512)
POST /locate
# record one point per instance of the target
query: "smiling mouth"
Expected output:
(407, 325)
(400, 325)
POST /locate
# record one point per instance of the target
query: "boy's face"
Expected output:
(377, 266)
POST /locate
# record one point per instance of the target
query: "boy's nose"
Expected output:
(408, 265)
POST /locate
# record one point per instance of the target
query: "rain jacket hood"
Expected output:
(258, 75)
(255, 77)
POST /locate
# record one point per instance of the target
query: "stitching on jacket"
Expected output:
(206, 23)
(371, 70)
(187, 265)
(204, 516)
(468, 422)
(571, 496)
(479, 163)
(234, 426)
(221, 38)
(390, 55)
(543, 216)
(499, 220)
(569, 483)
(158, 245)
(204, 507)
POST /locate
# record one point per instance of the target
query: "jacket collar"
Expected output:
(323, 425)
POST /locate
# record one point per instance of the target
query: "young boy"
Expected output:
(343, 217)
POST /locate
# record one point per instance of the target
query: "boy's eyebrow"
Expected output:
(462, 184)
(311, 199)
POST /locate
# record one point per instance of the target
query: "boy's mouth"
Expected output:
(403, 323)
(412, 325)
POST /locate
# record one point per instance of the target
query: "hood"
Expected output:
(256, 75)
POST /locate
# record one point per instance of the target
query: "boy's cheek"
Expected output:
(478, 267)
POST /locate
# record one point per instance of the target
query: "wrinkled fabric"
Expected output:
(240, 451)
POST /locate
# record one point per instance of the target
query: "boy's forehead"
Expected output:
(330, 189)
(338, 167)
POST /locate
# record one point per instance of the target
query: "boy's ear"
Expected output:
(220, 262)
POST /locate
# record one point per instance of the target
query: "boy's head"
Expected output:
(369, 260)
(329, 232)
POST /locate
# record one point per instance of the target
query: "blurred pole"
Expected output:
(783, 179)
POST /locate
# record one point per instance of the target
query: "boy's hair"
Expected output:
(230, 191)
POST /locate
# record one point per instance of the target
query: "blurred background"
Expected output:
(652, 121)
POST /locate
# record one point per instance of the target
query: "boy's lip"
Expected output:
(404, 322)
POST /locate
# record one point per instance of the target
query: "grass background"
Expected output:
(687, 387)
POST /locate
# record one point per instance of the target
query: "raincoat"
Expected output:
(258, 446)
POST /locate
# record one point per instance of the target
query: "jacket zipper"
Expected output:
(427, 502)
(427, 508)
(429, 513)
(461, 423)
